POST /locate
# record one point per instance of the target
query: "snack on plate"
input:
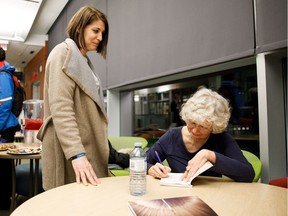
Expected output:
(23, 150)
(4, 146)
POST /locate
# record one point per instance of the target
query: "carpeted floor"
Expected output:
(19, 201)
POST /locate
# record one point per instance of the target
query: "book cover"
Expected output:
(174, 179)
(184, 206)
(5, 99)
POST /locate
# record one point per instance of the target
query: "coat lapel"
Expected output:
(90, 84)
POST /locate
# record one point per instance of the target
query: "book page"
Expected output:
(5, 99)
(174, 179)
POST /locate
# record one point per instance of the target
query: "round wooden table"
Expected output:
(112, 195)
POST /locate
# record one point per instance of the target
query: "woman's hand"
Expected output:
(84, 171)
(159, 171)
(198, 161)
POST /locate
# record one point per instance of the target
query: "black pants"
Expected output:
(9, 133)
(118, 158)
(6, 172)
(6, 183)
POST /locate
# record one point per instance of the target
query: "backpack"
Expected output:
(19, 95)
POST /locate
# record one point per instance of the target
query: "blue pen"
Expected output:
(158, 158)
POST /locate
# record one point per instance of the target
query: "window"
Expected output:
(238, 85)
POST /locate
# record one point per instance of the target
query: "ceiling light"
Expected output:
(19, 16)
(4, 44)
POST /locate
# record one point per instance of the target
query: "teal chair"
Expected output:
(22, 173)
(255, 162)
(125, 143)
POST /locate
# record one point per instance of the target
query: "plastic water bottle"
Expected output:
(138, 167)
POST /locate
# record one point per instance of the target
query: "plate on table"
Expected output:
(23, 151)
(4, 147)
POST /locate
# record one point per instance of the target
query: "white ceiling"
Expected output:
(27, 43)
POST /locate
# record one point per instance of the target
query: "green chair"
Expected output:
(165, 163)
(255, 162)
(125, 143)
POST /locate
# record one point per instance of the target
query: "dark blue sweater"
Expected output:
(229, 158)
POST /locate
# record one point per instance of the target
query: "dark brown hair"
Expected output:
(2, 54)
(83, 17)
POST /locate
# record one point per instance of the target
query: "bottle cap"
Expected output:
(137, 144)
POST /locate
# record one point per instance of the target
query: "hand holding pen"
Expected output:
(159, 170)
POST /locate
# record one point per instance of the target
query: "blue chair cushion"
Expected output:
(22, 179)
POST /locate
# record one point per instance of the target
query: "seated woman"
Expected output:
(203, 139)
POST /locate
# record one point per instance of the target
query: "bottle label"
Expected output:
(138, 165)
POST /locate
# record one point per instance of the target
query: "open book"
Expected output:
(174, 179)
(182, 206)
(5, 99)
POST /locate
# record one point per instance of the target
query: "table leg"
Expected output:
(36, 176)
(31, 178)
(13, 195)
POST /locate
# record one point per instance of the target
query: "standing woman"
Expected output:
(74, 134)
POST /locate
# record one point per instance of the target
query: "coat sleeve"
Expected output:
(60, 98)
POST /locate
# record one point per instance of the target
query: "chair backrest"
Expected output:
(255, 162)
(124, 142)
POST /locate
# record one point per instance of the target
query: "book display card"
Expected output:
(184, 206)
(174, 179)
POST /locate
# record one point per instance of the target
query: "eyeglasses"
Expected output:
(192, 125)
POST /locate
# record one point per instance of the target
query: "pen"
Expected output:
(158, 158)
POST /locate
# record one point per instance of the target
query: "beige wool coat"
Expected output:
(75, 119)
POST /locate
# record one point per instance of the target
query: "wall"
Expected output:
(33, 73)
(273, 142)
(151, 39)
(271, 25)
(158, 38)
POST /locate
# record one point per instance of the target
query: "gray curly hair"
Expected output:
(207, 107)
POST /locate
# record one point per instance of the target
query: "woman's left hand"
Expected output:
(84, 171)
(198, 161)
